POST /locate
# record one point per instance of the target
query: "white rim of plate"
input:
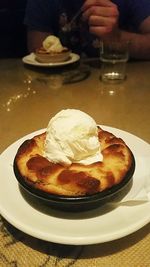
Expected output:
(30, 60)
(84, 224)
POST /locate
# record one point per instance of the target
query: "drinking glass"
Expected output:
(113, 56)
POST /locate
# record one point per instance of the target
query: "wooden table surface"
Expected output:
(29, 97)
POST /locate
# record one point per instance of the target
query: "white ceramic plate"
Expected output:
(91, 227)
(30, 59)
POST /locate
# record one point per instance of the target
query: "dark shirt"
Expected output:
(52, 16)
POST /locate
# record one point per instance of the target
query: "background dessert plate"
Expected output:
(30, 60)
(100, 225)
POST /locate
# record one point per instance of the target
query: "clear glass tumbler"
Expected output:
(113, 56)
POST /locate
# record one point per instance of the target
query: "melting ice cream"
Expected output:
(72, 137)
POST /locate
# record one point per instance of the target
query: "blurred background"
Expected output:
(12, 29)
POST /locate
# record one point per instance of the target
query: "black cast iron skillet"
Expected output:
(80, 203)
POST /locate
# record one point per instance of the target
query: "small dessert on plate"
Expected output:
(52, 51)
(74, 158)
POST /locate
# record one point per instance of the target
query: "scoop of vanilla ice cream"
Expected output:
(52, 44)
(72, 137)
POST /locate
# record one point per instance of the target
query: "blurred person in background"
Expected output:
(99, 20)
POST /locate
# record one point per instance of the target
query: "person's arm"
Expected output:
(139, 42)
(35, 39)
(102, 17)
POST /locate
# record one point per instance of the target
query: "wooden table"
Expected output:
(29, 97)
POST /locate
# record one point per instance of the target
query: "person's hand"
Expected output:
(102, 16)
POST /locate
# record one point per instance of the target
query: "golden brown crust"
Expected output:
(77, 179)
(41, 50)
(43, 56)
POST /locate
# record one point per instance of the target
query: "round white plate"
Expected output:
(91, 227)
(30, 59)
